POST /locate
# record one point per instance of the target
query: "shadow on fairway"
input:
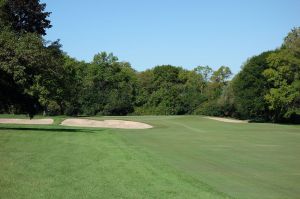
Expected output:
(70, 130)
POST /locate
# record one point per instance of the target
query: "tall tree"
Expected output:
(168, 90)
(218, 79)
(109, 86)
(205, 72)
(250, 87)
(165, 98)
(221, 75)
(25, 16)
(21, 60)
(284, 76)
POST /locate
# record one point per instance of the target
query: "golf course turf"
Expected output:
(181, 157)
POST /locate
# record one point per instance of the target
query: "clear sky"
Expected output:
(183, 33)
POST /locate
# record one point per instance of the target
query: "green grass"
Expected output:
(182, 157)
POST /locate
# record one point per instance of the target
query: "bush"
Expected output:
(211, 108)
(53, 108)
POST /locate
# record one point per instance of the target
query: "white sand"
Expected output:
(221, 119)
(119, 124)
(25, 121)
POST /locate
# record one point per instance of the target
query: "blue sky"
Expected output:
(183, 33)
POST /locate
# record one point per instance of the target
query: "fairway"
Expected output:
(180, 157)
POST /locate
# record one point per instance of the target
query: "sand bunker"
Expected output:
(25, 121)
(119, 124)
(227, 120)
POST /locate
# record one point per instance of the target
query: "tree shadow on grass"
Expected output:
(68, 130)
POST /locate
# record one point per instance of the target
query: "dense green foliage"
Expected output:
(168, 90)
(268, 87)
(250, 87)
(29, 68)
(37, 77)
(108, 87)
(182, 157)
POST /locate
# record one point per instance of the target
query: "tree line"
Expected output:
(37, 77)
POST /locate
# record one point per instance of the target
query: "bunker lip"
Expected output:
(221, 119)
(25, 121)
(118, 124)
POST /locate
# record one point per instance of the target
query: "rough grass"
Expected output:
(182, 157)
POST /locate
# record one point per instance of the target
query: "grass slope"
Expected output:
(182, 157)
